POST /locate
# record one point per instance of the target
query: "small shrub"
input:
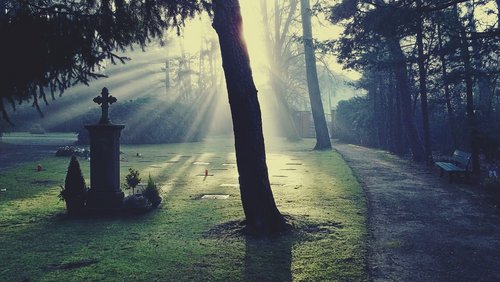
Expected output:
(74, 190)
(152, 193)
(132, 179)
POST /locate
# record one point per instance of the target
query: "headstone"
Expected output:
(229, 185)
(215, 196)
(105, 192)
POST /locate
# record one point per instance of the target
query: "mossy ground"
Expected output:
(188, 238)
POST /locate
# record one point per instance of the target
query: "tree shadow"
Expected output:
(268, 259)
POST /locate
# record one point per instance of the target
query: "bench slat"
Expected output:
(449, 166)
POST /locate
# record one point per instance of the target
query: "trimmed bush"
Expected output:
(74, 190)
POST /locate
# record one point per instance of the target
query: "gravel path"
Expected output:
(420, 227)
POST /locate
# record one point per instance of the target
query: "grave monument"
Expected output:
(105, 192)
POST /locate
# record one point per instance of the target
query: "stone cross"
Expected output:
(104, 100)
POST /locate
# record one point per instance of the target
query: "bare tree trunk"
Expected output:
(498, 14)
(167, 75)
(257, 198)
(423, 86)
(485, 97)
(444, 74)
(400, 143)
(471, 118)
(403, 89)
(275, 55)
(322, 136)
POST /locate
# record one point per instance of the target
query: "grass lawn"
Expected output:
(188, 238)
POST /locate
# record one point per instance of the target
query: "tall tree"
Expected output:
(498, 15)
(258, 203)
(446, 86)
(423, 82)
(320, 126)
(277, 47)
(65, 42)
(372, 40)
(403, 88)
(469, 85)
(457, 69)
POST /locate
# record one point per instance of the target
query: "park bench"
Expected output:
(458, 164)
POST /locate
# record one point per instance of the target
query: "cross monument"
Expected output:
(104, 100)
(105, 193)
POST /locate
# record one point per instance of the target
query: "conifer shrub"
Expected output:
(75, 189)
(152, 193)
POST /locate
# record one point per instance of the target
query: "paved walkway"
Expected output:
(420, 227)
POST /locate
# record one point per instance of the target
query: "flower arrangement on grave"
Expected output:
(74, 190)
(148, 199)
(152, 193)
(491, 181)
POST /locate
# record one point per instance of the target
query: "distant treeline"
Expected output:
(146, 121)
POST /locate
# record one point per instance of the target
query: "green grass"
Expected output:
(188, 239)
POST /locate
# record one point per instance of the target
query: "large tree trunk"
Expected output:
(447, 96)
(403, 89)
(399, 140)
(423, 87)
(260, 209)
(322, 136)
(471, 118)
(485, 97)
(498, 14)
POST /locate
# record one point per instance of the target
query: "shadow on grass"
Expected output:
(269, 257)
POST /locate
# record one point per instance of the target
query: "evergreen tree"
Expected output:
(74, 190)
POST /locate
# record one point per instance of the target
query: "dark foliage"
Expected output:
(51, 45)
(74, 190)
(136, 203)
(438, 49)
(353, 123)
(152, 193)
(132, 179)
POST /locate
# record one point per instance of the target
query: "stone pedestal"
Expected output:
(105, 192)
